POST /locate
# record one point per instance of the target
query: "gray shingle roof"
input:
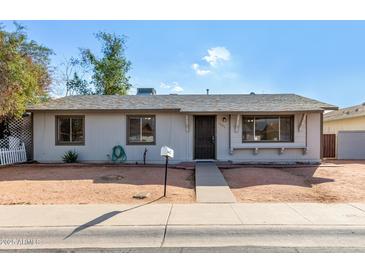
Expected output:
(187, 103)
(345, 113)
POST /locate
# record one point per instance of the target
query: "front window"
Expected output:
(267, 129)
(141, 130)
(70, 130)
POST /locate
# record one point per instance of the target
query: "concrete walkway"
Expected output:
(211, 187)
(182, 225)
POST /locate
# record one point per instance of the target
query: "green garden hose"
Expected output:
(119, 154)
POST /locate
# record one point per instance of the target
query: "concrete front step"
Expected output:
(210, 185)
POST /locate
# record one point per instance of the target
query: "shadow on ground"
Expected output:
(105, 217)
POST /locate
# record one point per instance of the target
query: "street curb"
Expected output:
(175, 237)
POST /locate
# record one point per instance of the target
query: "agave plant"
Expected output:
(70, 156)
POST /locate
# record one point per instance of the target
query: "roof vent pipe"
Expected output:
(207, 91)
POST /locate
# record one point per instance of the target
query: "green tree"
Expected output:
(25, 74)
(109, 72)
(77, 85)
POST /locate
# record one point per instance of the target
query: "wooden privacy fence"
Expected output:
(13, 155)
(329, 145)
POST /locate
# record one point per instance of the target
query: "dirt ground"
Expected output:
(92, 184)
(333, 181)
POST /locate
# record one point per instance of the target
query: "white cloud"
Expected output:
(217, 54)
(199, 71)
(164, 85)
(173, 87)
(177, 88)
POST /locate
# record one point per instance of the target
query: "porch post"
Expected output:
(187, 123)
(237, 123)
(229, 135)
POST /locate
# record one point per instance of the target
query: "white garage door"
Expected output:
(351, 145)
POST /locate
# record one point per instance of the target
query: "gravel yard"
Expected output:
(333, 181)
(33, 184)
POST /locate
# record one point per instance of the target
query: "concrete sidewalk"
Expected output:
(183, 214)
(182, 225)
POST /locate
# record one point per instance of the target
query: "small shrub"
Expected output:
(70, 156)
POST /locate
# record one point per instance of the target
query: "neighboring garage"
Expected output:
(351, 145)
(344, 133)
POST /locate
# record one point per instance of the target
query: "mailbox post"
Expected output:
(167, 153)
(165, 184)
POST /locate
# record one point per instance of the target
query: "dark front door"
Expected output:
(204, 139)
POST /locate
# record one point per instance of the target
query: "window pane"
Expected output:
(147, 129)
(64, 129)
(266, 129)
(247, 129)
(134, 130)
(77, 129)
(286, 126)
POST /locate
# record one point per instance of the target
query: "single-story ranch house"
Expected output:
(239, 128)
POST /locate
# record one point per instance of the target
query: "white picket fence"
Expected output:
(10, 156)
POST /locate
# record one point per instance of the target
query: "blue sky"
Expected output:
(324, 60)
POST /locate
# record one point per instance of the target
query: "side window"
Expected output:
(141, 130)
(70, 130)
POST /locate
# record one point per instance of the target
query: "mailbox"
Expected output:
(167, 152)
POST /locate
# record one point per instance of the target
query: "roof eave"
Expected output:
(106, 110)
(251, 111)
(330, 108)
(178, 110)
